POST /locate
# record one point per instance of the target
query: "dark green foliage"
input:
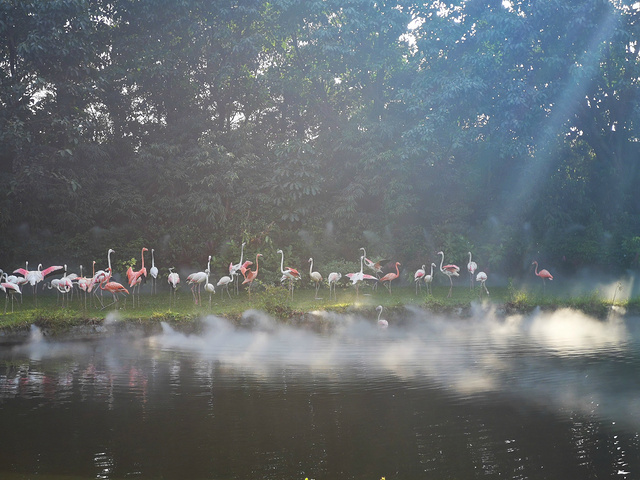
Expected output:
(319, 127)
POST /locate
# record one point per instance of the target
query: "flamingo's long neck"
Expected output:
(536, 268)
(379, 313)
(153, 262)
(142, 255)
(94, 269)
(209, 264)
(109, 258)
(310, 266)
(397, 271)
(241, 253)
(432, 270)
(362, 264)
(441, 262)
(257, 263)
(282, 262)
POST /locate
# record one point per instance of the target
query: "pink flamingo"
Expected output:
(114, 288)
(136, 278)
(250, 275)
(389, 277)
(543, 274)
(449, 271)
(9, 288)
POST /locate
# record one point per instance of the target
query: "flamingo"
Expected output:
(471, 268)
(382, 323)
(114, 288)
(224, 283)
(482, 277)
(315, 276)
(418, 277)
(333, 280)
(153, 271)
(208, 287)
(83, 284)
(136, 278)
(290, 273)
(389, 277)
(36, 276)
(428, 279)
(173, 280)
(9, 288)
(376, 267)
(543, 274)
(449, 271)
(358, 277)
(251, 275)
(196, 280)
(101, 276)
(234, 269)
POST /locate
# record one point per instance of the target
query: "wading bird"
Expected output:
(196, 280)
(208, 287)
(450, 271)
(333, 280)
(234, 269)
(543, 274)
(358, 277)
(418, 277)
(428, 279)
(471, 268)
(389, 277)
(315, 277)
(34, 277)
(482, 277)
(136, 278)
(10, 289)
(115, 288)
(375, 266)
(153, 271)
(173, 280)
(251, 275)
(223, 283)
(382, 323)
(290, 273)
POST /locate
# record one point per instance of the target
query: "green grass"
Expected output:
(276, 301)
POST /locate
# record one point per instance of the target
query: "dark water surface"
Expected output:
(545, 396)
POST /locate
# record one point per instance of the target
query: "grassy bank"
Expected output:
(275, 301)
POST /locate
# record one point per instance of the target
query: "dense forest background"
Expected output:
(320, 126)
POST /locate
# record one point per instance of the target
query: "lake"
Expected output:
(539, 396)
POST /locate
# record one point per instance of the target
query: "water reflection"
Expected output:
(534, 396)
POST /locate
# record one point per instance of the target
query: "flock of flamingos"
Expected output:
(101, 280)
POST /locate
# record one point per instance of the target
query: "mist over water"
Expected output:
(563, 359)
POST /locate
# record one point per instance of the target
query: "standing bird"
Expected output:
(449, 271)
(543, 274)
(224, 284)
(389, 277)
(315, 276)
(418, 277)
(136, 278)
(208, 287)
(290, 273)
(196, 280)
(115, 288)
(375, 266)
(358, 277)
(482, 277)
(428, 279)
(34, 277)
(174, 280)
(10, 289)
(333, 280)
(382, 323)
(153, 271)
(471, 268)
(234, 269)
(250, 275)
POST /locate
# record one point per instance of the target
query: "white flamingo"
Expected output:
(290, 274)
(315, 276)
(196, 280)
(382, 323)
(428, 279)
(358, 277)
(482, 277)
(471, 268)
(153, 271)
(333, 279)
(174, 280)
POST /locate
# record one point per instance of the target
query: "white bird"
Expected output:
(471, 268)
(315, 276)
(333, 279)
(482, 277)
(153, 271)
(358, 277)
(196, 280)
(234, 269)
(9, 288)
(174, 280)
(428, 279)
(224, 283)
(208, 287)
(290, 273)
(382, 323)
